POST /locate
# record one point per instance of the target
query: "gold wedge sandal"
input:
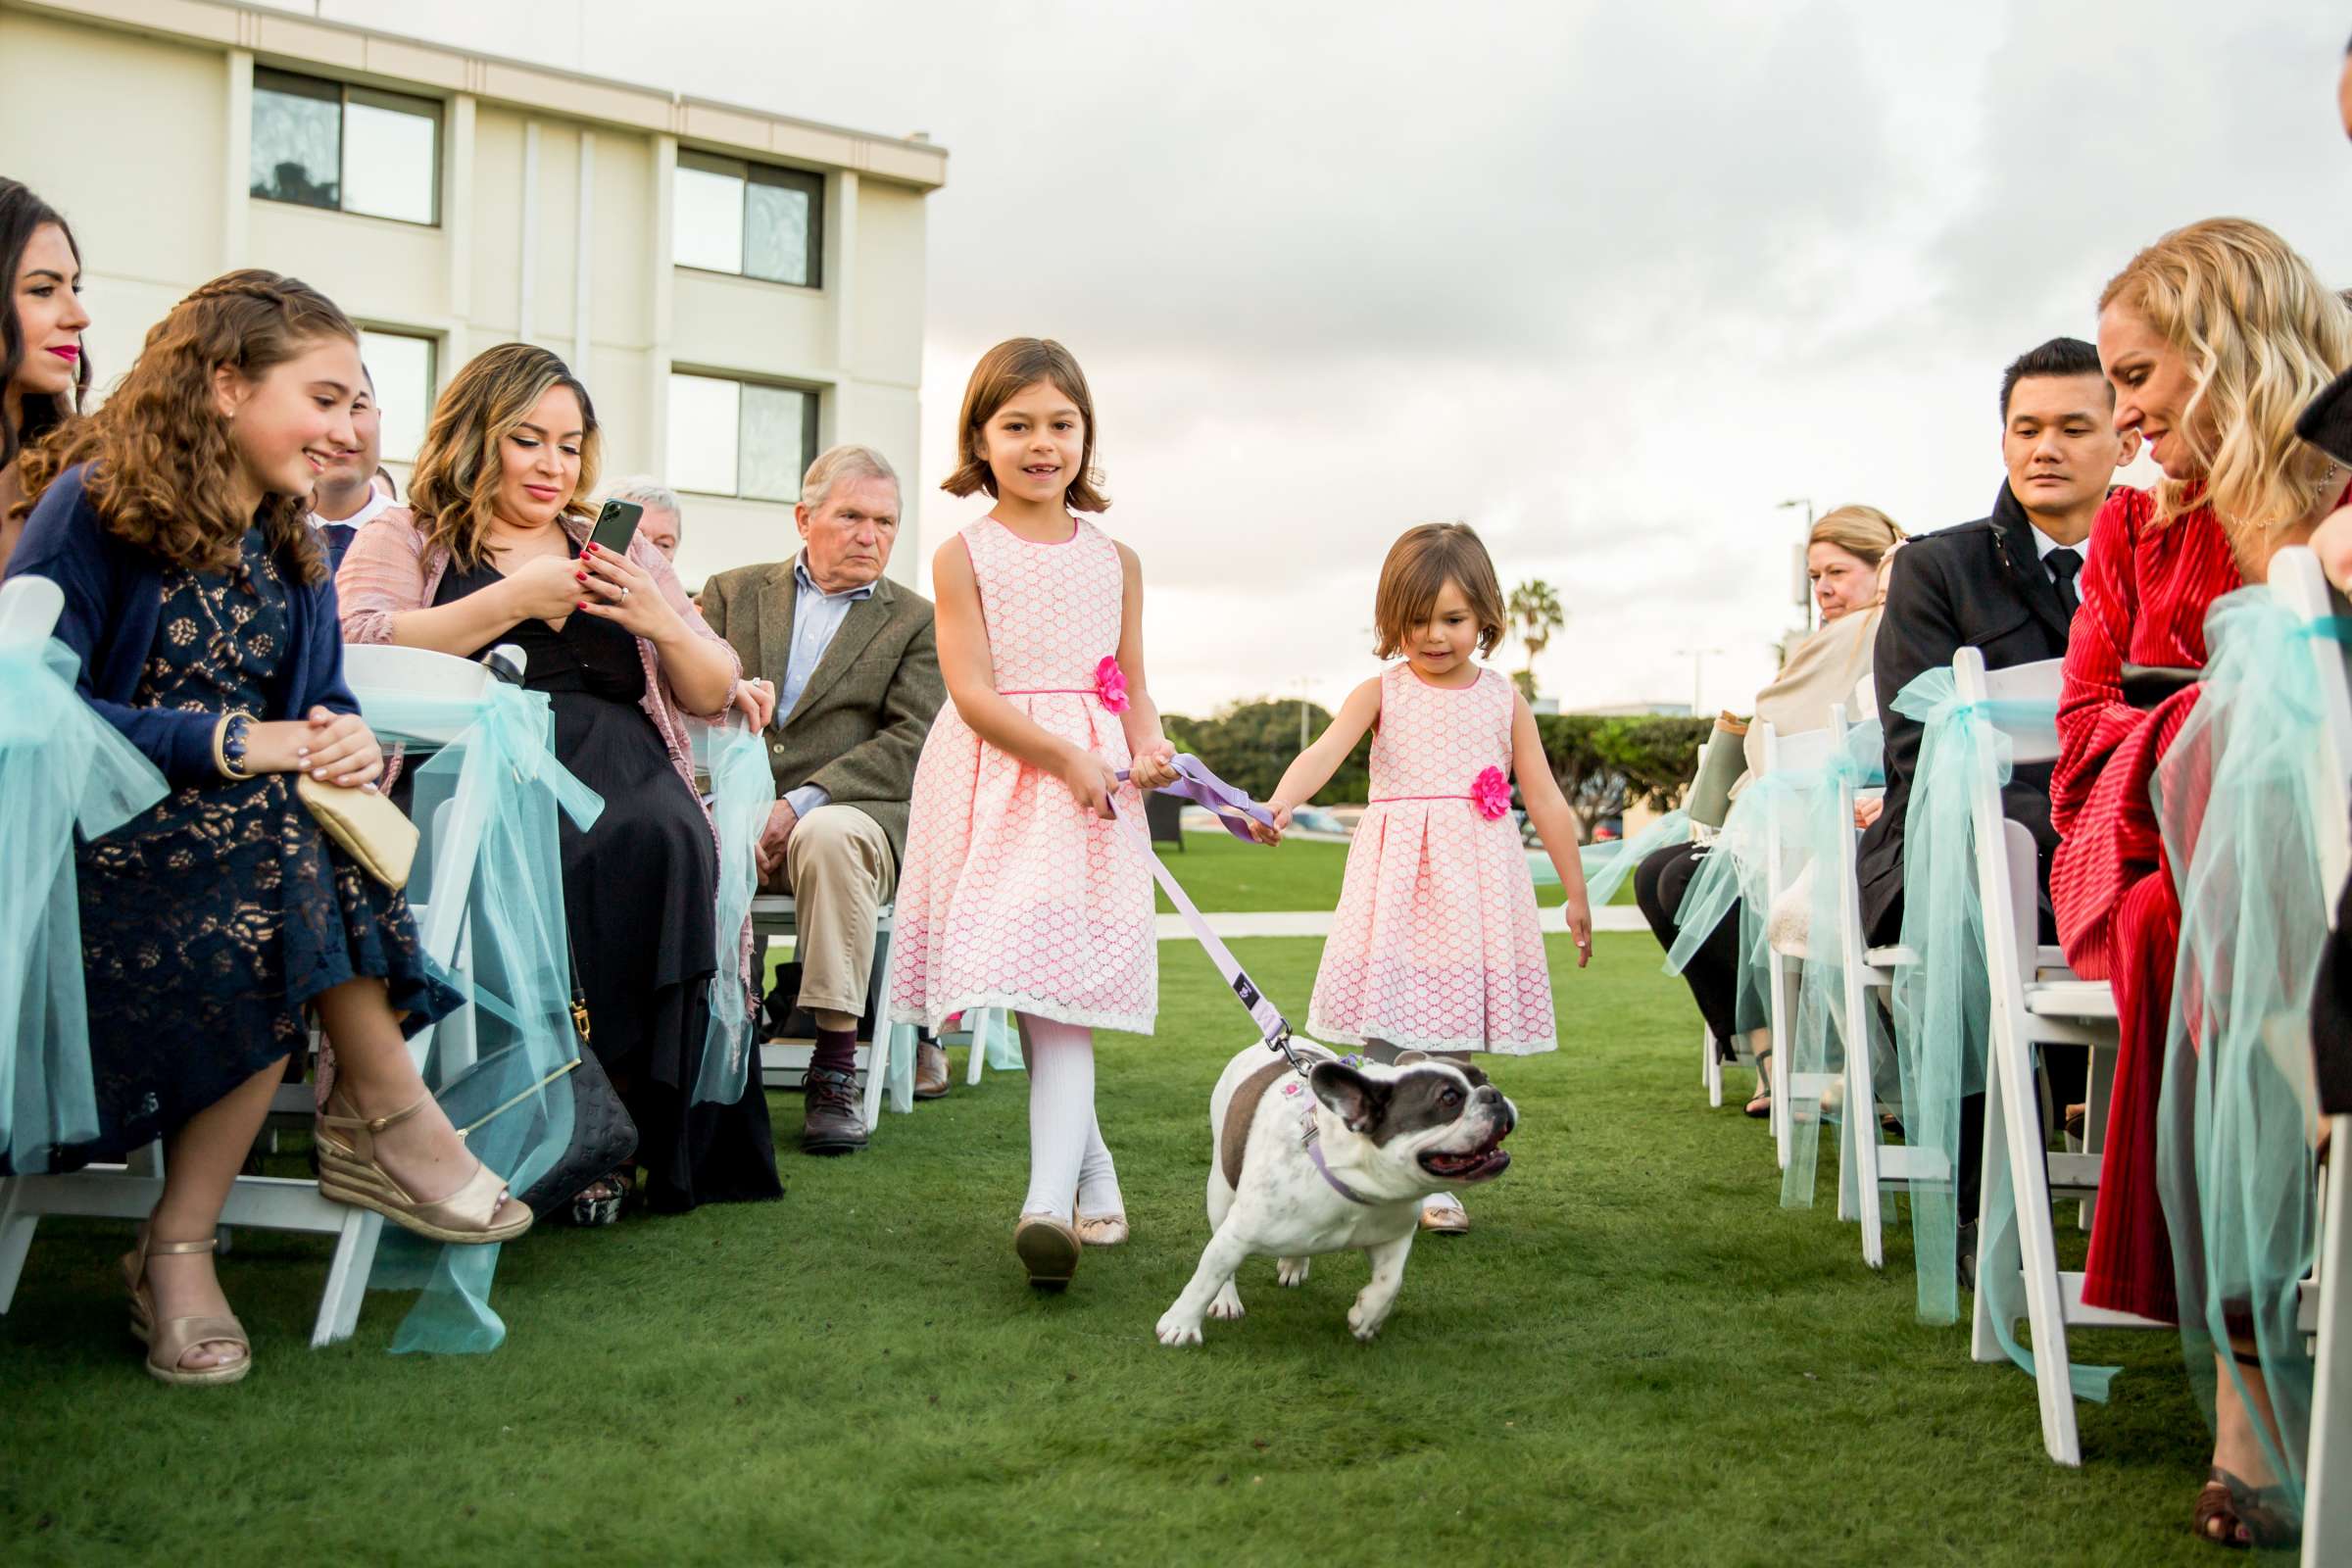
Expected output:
(348, 1174)
(170, 1340)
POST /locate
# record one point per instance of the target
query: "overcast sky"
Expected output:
(1606, 281)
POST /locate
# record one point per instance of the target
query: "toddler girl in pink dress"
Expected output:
(1017, 890)
(1435, 945)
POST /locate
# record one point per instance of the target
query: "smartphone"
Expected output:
(616, 527)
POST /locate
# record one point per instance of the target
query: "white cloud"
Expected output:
(1608, 282)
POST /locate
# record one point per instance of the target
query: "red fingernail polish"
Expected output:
(582, 604)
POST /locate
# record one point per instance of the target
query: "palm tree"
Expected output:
(1534, 606)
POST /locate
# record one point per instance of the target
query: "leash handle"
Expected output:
(1272, 1026)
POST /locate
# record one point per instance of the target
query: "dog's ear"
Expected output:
(1354, 1098)
(1405, 1059)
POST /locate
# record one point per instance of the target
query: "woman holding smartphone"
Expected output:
(495, 548)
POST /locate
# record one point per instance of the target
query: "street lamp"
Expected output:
(1802, 584)
(1698, 665)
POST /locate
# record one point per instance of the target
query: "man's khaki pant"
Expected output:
(838, 869)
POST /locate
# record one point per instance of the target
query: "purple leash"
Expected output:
(1236, 810)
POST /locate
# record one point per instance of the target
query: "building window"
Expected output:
(319, 143)
(400, 365)
(749, 218)
(740, 438)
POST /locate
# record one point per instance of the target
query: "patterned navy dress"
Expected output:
(211, 920)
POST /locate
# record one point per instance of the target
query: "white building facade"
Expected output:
(738, 289)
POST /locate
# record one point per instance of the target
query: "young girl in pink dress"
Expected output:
(1435, 945)
(1017, 890)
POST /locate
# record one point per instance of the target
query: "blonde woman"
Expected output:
(2216, 337)
(493, 548)
(1846, 558)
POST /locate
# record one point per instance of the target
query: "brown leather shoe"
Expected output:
(930, 1071)
(832, 1121)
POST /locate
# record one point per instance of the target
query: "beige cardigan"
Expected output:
(1821, 671)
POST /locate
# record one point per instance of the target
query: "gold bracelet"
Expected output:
(231, 767)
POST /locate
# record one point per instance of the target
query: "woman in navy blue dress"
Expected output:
(199, 603)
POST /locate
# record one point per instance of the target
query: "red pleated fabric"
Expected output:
(2146, 591)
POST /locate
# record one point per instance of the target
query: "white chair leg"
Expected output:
(1861, 1145)
(902, 1067)
(976, 1022)
(1710, 1068)
(16, 1240)
(1783, 1070)
(2327, 1483)
(877, 1073)
(347, 1277)
(2037, 1250)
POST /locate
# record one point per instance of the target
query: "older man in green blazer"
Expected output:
(855, 667)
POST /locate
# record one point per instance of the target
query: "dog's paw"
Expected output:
(1173, 1330)
(1228, 1305)
(1364, 1325)
(1292, 1271)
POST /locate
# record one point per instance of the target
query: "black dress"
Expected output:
(641, 896)
(209, 921)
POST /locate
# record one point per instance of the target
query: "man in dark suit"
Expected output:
(2004, 584)
(855, 664)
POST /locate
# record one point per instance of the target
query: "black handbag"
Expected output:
(603, 1135)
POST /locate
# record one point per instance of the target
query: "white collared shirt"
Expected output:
(2043, 544)
(815, 617)
(377, 505)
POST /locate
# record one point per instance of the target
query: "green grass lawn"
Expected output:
(1635, 1357)
(1222, 875)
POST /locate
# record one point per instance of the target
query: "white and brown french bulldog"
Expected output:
(1339, 1161)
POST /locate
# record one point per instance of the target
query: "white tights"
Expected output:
(1067, 1153)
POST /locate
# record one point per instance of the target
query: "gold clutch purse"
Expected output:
(367, 827)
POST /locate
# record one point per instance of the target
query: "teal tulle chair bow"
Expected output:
(1823, 801)
(2239, 799)
(1942, 1001)
(743, 795)
(1607, 867)
(496, 766)
(62, 767)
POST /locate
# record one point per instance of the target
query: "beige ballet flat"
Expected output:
(170, 1341)
(1102, 1230)
(348, 1174)
(1048, 1250)
(1444, 1219)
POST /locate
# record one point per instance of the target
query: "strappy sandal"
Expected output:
(1102, 1230)
(170, 1340)
(1759, 1103)
(2260, 1512)
(348, 1174)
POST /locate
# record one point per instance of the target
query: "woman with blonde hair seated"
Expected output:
(1846, 557)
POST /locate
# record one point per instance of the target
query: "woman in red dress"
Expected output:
(2215, 339)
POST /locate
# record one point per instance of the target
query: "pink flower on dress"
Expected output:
(1111, 685)
(1491, 793)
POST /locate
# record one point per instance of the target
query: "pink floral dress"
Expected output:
(1010, 895)
(1434, 946)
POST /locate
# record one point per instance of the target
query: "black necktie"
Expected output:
(2064, 565)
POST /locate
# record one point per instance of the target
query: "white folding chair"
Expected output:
(992, 1037)
(1808, 749)
(1864, 1165)
(2025, 1016)
(2327, 1306)
(1710, 1057)
(278, 1203)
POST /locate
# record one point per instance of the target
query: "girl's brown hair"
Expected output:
(458, 467)
(1002, 371)
(162, 472)
(1419, 565)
